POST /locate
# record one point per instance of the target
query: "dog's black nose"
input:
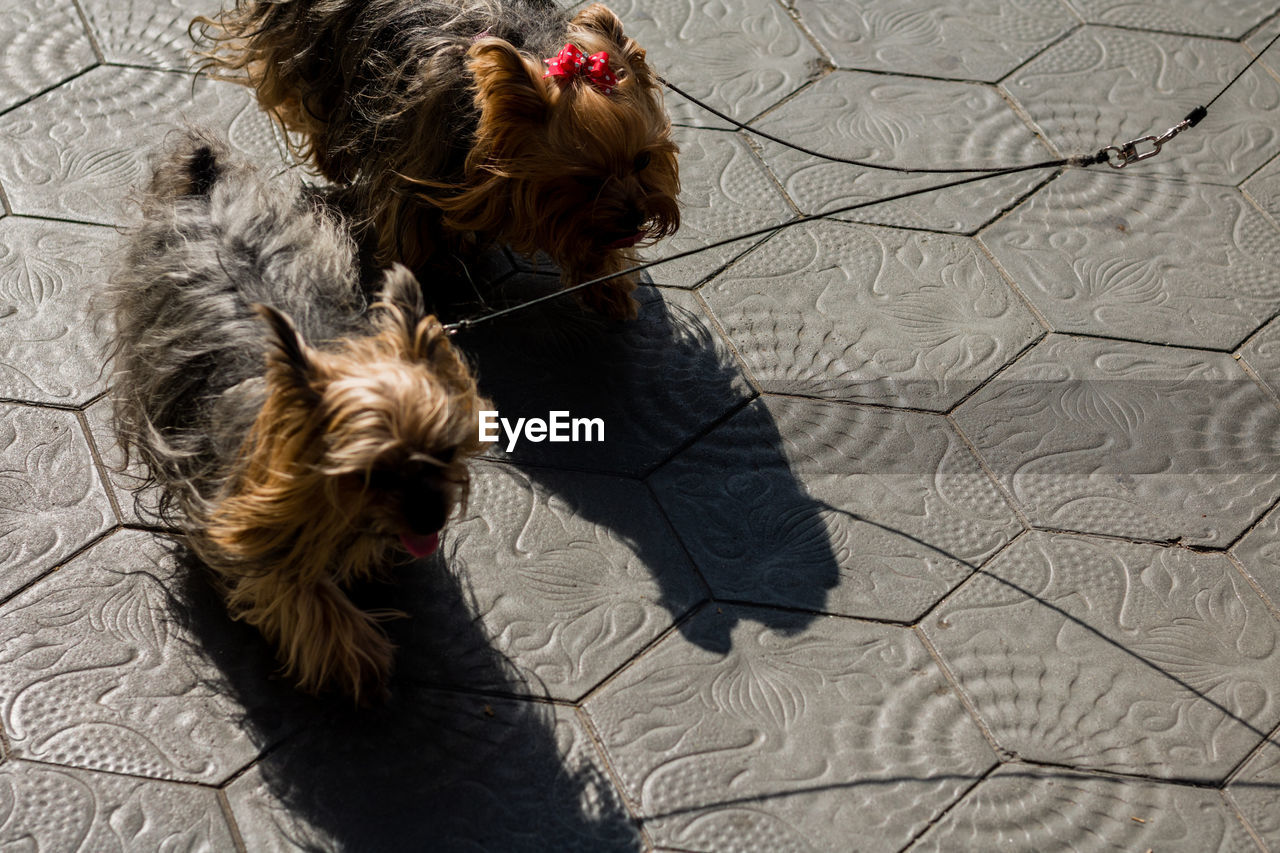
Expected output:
(425, 511)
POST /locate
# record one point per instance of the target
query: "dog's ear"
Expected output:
(506, 85)
(599, 19)
(400, 288)
(291, 358)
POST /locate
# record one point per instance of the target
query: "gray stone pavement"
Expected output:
(948, 525)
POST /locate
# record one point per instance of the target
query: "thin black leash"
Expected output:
(1116, 156)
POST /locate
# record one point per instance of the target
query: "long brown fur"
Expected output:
(291, 467)
(435, 117)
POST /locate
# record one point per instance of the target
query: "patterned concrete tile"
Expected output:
(977, 41)
(834, 508)
(1104, 87)
(903, 122)
(95, 672)
(82, 151)
(438, 772)
(51, 350)
(1263, 36)
(41, 43)
(1129, 439)
(741, 59)
(149, 33)
(655, 382)
(781, 742)
(1229, 18)
(871, 315)
(1259, 553)
(1254, 790)
(1028, 808)
(723, 191)
(1264, 188)
(124, 481)
(1146, 258)
(52, 502)
(56, 808)
(1262, 353)
(569, 574)
(1114, 656)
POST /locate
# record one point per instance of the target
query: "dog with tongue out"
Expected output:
(299, 437)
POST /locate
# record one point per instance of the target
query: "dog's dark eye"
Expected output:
(642, 160)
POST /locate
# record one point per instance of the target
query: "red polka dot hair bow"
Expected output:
(571, 61)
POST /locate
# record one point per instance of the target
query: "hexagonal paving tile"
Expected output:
(1263, 36)
(57, 808)
(82, 151)
(1259, 553)
(436, 771)
(1254, 790)
(1264, 188)
(1105, 87)
(96, 672)
(1130, 440)
(723, 191)
(1230, 18)
(740, 59)
(903, 122)
(149, 33)
(41, 44)
(569, 574)
(656, 383)
(124, 482)
(871, 314)
(801, 742)
(51, 346)
(1031, 808)
(52, 502)
(834, 508)
(1262, 353)
(1109, 655)
(978, 41)
(1143, 258)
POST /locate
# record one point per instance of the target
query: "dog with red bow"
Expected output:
(450, 123)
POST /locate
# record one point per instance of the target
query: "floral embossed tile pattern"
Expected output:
(1229, 18)
(57, 808)
(81, 152)
(740, 58)
(52, 501)
(1254, 790)
(834, 508)
(977, 41)
(51, 348)
(1104, 87)
(791, 740)
(1259, 553)
(436, 771)
(42, 43)
(570, 575)
(1033, 808)
(871, 315)
(146, 33)
(1130, 440)
(96, 672)
(723, 190)
(1139, 257)
(902, 122)
(1139, 659)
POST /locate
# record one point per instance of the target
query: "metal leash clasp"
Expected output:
(1120, 156)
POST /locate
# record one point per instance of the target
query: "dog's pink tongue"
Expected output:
(420, 546)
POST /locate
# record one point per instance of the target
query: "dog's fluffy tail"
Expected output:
(190, 169)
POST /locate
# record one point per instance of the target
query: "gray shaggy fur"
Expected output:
(189, 349)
